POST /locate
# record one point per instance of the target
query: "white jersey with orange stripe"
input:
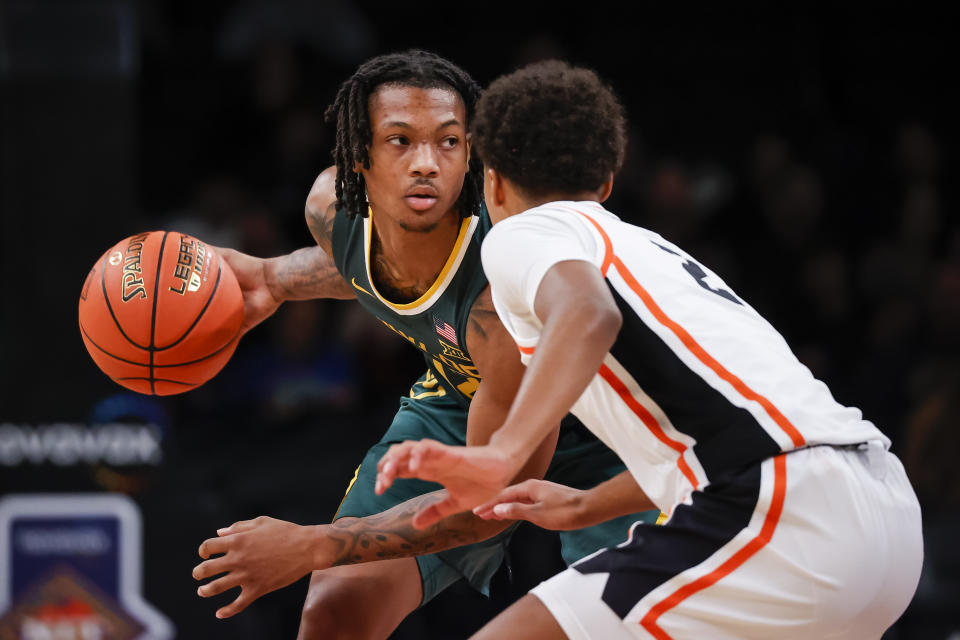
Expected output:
(697, 383)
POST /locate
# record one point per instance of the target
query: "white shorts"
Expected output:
(822, 542)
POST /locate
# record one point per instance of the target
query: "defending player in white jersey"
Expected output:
(788, 516)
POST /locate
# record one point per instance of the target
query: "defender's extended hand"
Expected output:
(259, 302)
(259, 555)
(471, 475)
(546, 504)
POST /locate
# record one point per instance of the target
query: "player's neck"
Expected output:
(521, 202)
(506, 199)
(579, 196)
(415, 256)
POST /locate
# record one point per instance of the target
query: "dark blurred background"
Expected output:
(803, 153)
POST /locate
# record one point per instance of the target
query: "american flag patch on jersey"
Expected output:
(444, 330)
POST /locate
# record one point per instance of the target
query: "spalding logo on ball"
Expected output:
(160, 313)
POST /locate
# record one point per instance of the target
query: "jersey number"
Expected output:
(701, 276)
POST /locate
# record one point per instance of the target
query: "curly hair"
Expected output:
(550, 128)
(350, 113)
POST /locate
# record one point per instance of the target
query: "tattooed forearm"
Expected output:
(391, 535)
(306, 274)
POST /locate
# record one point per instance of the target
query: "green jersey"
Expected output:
(435, 323)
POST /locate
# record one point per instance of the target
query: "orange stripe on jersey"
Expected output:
(693, 345)
(651, 423)
(526, 350)
(649, 621)
(608, 255)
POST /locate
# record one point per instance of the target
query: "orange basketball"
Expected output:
(160, 313)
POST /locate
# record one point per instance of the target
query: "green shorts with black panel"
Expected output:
(580, 461)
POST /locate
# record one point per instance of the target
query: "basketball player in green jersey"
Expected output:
(398, 223)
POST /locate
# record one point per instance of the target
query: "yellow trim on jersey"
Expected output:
(349, 486)
(459, 248)
(661, 518)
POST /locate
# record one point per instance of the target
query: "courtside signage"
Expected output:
(70, 567)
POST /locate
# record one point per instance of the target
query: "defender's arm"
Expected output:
(555, 506)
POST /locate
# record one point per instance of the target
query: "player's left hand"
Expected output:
(259, 556)
(546, 504)
(471, 475)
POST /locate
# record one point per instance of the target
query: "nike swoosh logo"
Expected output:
(353, 281)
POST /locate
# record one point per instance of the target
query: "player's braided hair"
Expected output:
(551, 128)
(349, 112)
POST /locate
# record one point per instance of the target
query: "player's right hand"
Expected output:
(259, 303)
(471, 475)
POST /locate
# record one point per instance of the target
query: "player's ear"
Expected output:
(605, 189)
(494, 187)
(469, 147)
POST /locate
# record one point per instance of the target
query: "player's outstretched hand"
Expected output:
(471, 475)
(259, 303)
(546, 504)
(259, 556)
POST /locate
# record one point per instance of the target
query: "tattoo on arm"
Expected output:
(321, 225)
(390, 534)
(482, 313)
(309, 273)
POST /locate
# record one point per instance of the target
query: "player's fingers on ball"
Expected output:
(218, 586)
(243, 600)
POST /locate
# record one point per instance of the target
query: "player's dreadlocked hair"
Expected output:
(551, 128)
(349, 112)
